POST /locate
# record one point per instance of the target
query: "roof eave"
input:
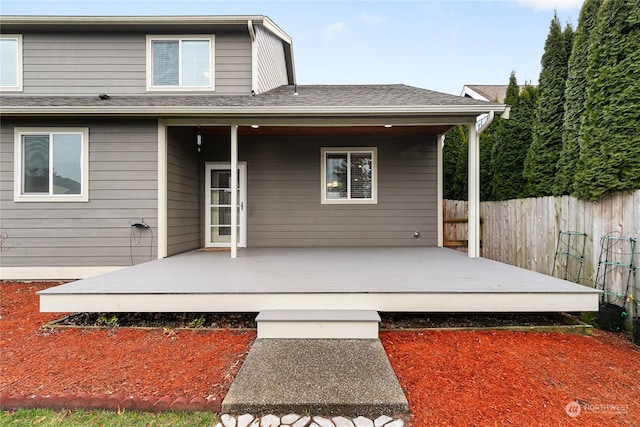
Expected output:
(119, 20)
(388, 111)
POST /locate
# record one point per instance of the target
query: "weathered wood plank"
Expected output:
(524, 232)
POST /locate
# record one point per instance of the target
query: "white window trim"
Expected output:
(17, 166)
(19, 87)
(323, 178)
(212, 78)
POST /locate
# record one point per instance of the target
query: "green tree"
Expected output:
(575, 96)
(609, 139)
(450, 153)
(512, 142)
(455, 163)
(487, 141)
(544, 152)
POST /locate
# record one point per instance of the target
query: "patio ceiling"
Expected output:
(327, 130)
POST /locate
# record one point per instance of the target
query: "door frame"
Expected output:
(242, 202)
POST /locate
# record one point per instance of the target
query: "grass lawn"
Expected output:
(78, 418)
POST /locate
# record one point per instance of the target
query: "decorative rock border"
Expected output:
(111, 402)
(295, 420)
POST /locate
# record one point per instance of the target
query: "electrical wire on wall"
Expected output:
(141, 226)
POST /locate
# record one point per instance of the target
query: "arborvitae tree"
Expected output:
(450, 153)
(609, 138)
(575, 96)
(569, 38)
(460, 187)
(512, 141)
(542, 157)
(487, 140)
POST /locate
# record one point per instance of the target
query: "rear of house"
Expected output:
(119, 135)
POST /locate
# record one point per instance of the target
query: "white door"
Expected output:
(218, 204)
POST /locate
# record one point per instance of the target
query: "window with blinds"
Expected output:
(349, 175)
(11, 62)
(52, 164)
(180, 63)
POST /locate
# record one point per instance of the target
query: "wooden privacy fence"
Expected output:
(524, 232)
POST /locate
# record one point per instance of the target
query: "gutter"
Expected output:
(438, 110)
(487, 123)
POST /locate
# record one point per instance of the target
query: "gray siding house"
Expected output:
(119, 135)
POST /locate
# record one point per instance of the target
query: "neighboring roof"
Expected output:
(294, 100)
(493, 93)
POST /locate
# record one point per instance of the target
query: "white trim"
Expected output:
(420, 302)
(19, 64)
(474, 193)
(53, 273)
(242, 238)
(180, 38)
(162, 189)
(271, 26)
(466, 90)
(254, 60)
(234, 191)
(323, 175)
(440, 114)
(440, 145)
(18, 132)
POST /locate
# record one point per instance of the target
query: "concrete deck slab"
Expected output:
(320, 376)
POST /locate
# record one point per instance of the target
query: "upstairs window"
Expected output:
(349, 175)
(180, 63)
(10, 62)
(51, 164)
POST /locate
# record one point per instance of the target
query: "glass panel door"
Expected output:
(218, 205)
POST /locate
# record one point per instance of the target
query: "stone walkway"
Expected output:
(294, 420)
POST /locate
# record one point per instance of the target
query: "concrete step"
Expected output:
(321, 324)
(327, 377)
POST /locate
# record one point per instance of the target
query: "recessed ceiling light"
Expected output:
(255, 126)
(388, 126)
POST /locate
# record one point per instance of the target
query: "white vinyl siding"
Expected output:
(51, 164)
(11, 63)
(180, 63)
(349, 175)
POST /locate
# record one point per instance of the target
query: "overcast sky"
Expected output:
(438, 45)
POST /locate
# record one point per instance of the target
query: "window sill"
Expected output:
(50, 199)
(349, 202)
(179, 89)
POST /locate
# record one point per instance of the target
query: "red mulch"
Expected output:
(500, 378)
(110, 361)
(450, 378)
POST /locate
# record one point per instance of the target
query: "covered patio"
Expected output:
(423, 279)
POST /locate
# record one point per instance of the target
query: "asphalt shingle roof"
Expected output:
(308, 96)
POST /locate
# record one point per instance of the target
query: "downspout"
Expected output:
(254, 58)
(482, 128)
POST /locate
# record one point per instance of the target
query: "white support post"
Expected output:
(162, 189)
(234, 191)
(440, 144)
(474, 193)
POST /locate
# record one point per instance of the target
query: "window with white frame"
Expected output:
(180, 62)
(10, 62)
(349, 175)
(51, 164)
